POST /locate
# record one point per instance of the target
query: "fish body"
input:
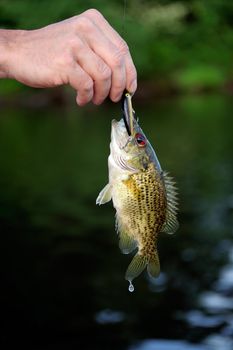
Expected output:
(143, 195)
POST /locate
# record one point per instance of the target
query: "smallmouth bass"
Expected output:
(145, 197)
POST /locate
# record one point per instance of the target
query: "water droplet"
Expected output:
(131, 287)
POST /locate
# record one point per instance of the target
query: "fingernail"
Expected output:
(133, 87)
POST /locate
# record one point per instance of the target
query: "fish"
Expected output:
(145, 197)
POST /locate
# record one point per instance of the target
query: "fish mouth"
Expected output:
(128, 112)
(118, 128)
(119, 133)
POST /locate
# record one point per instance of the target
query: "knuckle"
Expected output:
(93, 13)
(87, 85)
(118, 88)
(119, 53)
(72, 42)
(84, 23)
(117, 58)
(123, 47)
(132, 73)
(65, 60)
(104, 71)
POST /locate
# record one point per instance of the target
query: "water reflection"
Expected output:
(167, 345)
(62, 273)
(109, 316)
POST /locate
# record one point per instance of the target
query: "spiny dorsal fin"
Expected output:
(171, 224)
(126, 243)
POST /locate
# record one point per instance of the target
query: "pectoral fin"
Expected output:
(105, 195)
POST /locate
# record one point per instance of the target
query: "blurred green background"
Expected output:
(62, 274)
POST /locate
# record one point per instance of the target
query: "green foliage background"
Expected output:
(186, 43)
(60, 264)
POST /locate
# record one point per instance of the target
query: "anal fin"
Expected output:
(126, 243)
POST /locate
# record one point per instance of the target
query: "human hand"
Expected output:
(83, 51)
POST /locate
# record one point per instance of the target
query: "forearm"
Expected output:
(8, 40)
(5, 38)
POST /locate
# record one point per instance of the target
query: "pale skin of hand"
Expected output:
(83, 51)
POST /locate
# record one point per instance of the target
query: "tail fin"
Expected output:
(153, 267)
(139, 263)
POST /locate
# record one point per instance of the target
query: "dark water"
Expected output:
(62, 274)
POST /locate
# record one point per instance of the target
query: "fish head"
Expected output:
(131, 152)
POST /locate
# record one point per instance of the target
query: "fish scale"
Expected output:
(145, 197)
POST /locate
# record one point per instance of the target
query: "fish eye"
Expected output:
(141, 140)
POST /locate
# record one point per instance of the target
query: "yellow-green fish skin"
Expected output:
(140, 202)
(144, 197)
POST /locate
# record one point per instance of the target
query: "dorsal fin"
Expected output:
(171, 224)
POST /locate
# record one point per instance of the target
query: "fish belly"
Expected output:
(141, 207)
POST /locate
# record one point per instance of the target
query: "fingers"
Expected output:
(114, 60)
(131, 74)
(118, 74)
(121, 46)
(82, 83)
(98, 70)
(103, 64)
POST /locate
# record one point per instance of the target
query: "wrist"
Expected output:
(8, 49)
